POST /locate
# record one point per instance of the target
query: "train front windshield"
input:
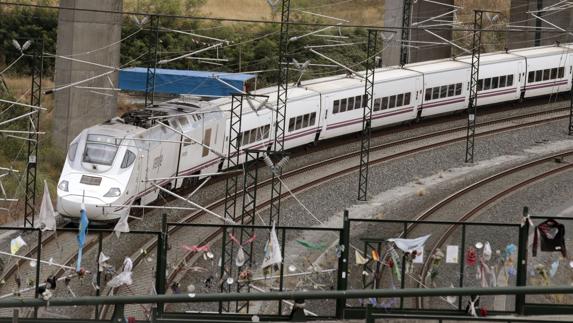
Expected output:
(100, 149)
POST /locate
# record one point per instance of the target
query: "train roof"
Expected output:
(543, 50)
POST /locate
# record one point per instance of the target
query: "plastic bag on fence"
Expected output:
(123, 278)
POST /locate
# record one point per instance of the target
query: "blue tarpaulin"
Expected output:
(184, 81)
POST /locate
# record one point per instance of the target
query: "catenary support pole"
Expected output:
(473, 86)
(280, 114)
(36, 68)
(367, 102)
(152, 50)
(406, 20)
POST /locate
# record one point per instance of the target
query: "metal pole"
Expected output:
(521, 279)
(342, 281)
(571, 109)
(161, 261)
(280, 114)
(462, 261)
(38, 264)
(406, 20)
(282, 277)
(231, 187)
(98, 276)
(152, 62)
(474, 79)
(367, 102)
(37, 68)
(537, 41)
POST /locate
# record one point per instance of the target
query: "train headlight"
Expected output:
(63, 186)
(113, 192)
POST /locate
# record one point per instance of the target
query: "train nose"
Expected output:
(70, 205)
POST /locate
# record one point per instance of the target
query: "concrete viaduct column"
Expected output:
(421, 10)
(81, 35)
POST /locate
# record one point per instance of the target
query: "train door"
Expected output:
(521, 80)
(418, 97)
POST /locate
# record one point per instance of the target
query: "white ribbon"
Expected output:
(526, 219)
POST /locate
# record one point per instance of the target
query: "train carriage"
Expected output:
(113, 165)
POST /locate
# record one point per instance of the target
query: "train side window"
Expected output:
(480, 85)
(358, 102)
(451, 89)
(553, 73)
(336, 106)
(128, 159)
(298, 124)
(502, 81)
(458, 88)
(531, 77)
(291, 124)
(546, 75)
(350, 104)
(342, 105)
(509, 80)
(407, 98)
(435, 93)
(428, 94)
(72, 152)
(384, 103)
(400, 100)
(538, 75)
(487, 84)
(392, 102)
(494, 83)
(561, 72)
(306, 120)
(312, 118)
(443, 91)
(377, 104)
(266, 130)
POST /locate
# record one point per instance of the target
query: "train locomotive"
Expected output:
(116, 164)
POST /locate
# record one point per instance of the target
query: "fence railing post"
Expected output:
(342, 281)
(161, 262)
(521, 279)
(38, 265)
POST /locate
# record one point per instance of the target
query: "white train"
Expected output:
(112, 165)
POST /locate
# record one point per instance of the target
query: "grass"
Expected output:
(356, 11)
(49, 159)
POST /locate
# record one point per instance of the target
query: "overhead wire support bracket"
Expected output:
(406, 20)
(474, 80)
(152, 62)
(367, 103)
(280, 113)
(36, 67)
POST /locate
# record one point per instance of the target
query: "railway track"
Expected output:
(211, 235)
(447, 233)
(68, 256)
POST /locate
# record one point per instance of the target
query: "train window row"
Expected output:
(544, 75)
(257, 134)
(444, 91)
(491, 83)
(348, 104)
(390, 102)
(300, 122)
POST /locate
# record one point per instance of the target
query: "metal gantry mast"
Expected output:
(152, 61)
(231, 186)
(367, 103)
(571, 111)
(280, 115)
(36, 68)
(474, 78)
(406, 20)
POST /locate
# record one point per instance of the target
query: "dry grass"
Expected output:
(356, 11)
